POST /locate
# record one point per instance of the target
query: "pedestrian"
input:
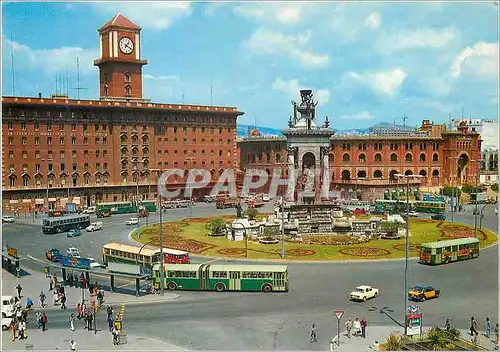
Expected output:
(348, 326)
(42, 299)
(79, 311)
(110, 323)
(314, 334)
(473, 326)
(357, 327)
(37, 318)
(56, 298)
(90, 322)
(44, 321)
(22, 330)
(13, 329)
(72, 345)
(488, 327)
(19, 289)
(114, 332)
(496, 335)
(51, 283)
(109, 310)
(63, 301)
(72, 322)
(363, 327)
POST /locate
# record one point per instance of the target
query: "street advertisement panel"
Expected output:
(124, 268)
(77, 263)
(413, 324)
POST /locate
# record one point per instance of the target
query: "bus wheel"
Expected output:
(220, 287)
(172, 286)
(267, 288)
(470, 255)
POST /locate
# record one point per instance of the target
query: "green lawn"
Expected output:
(192, 236)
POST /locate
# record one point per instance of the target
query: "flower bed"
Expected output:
(188, 245)
(365, 252)
(402, 247)
(231, 251)
(300, 252)
(330, 240)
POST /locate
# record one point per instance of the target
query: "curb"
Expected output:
(347, 261)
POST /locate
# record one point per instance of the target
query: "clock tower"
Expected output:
(120, 64)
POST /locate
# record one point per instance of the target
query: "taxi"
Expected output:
(53, 255)
(423, 292)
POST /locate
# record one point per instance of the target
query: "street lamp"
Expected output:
(475, 190)
(162, 269)
(407, 246)
(282, 228)
(47, 195)
(136, 169)
(453, 189)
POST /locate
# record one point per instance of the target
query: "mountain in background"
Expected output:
(243, 130)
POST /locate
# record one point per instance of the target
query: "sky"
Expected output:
(367, 62)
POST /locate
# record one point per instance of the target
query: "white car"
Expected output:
(6, 323)
(94, 263)
(266, 198)
(8, 309)
(95, 226)
(7, 218)
(132, 221)
(89, 210)
(413, 214)
(363, 292)
(73, 252)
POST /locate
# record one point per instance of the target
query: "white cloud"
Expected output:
(283, 13)
(364, 115)
(387, 82)
(161, 78)
(421, 38)
(293, 86)
(50, 60)
(154, 15)
(373, 20)
(277, 44)
(480, 60)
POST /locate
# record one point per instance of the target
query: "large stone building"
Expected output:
(57, 149)
(364, 166)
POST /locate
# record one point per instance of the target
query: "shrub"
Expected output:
(394, 342)
(494, 187)
(216, 225)
(251, 213)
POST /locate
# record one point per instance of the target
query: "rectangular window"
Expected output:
(73, 140)
(49, 126)
(37, 167)
(37, 125)
(37, 154)
(9, 126)
(85, 140)
(104, 153)
(11, 154)
(85, 127)
(25, 155)
(97, 140)
(23, 140)
(23, 126)
(97, 153)
(74, 154)
(62, 155)
(61, 127)
(61, 140)
(11, 140)
(37, 140)
(73, 127)
(104, 140)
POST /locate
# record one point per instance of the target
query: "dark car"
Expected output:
(74, 233)
(438, 217)
(53, 255)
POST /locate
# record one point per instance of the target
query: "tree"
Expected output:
(449, 191)
(494, 187)
(390, 227)
(216, 225)
(251, 213)
(468, 189)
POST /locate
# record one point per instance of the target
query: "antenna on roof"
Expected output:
(78, 88)
(211, 91)
(12, 66)
(404, 120)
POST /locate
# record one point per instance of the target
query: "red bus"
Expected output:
(174, 256)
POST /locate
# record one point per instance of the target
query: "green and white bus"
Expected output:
(444, 252)
(424, 206)
(128, 207)
(207, 277)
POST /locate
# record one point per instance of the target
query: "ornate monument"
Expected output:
(308, 146)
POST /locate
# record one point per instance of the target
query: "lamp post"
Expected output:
(453, 189)
(162, 268)
(47, 195)
(407, 246)
(282, 228)
(475, 190)
(136, 169)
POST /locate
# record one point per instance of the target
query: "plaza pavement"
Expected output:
(379, 334)
(36, 282)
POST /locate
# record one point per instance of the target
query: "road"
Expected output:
(200, 320)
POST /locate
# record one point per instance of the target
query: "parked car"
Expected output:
(440, 217)
(363, 292)
(74, 233)
(53, 255)
(95, 226)
(423, 292)
(94, 263)
(6, 323)
(132, 221)
(266, 198)
(89, 210)
(7, 218)
(8, 309)
(413, 214)
(73, 252)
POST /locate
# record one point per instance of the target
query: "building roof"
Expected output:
(447, 243)
(68, 103)
(119, 21)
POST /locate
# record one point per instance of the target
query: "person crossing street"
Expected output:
(314, 334)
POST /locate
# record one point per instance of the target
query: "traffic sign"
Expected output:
(338, 314)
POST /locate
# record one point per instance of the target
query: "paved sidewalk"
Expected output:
(59, 339)
(36, 282)
(380, 333)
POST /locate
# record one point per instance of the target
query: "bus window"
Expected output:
(454, 248)
(438, 250)
(448, 249)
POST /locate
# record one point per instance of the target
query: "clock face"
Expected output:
(126, 45)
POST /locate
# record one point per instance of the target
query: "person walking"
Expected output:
(63, 301)
(488, 327)
(44, 320)
(90, 318)
(19, 289)
(114, 332)
(72, 322)
(363, 327)
(51, 283)
(496, 335)
(13, 329)
(72, 345)
(314, 334)
(79, 311)
(473, 326)
(348, 326)
(110, 323)
(42, 298)
(357, 327)
(38, 315)
(22, 330)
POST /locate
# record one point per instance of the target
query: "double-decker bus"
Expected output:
(125, 207)
(214, 277)
(65, 223)
(443, 252)
(145, 256)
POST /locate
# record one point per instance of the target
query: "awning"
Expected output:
(13, 201)
(52, 199)
(39, 201)
(26, 200)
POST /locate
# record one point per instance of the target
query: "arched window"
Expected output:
(408, 157)
(378, 158)
(268, 157)
(422, 157)
(423, 173)
(346, 175)
(408, 172)
(128, 91)
(361, 174)
(394, 157)
(26, 181)
(277, 157)
(346, 158)
(392, 174)
(435, 157)
(362, 158)
(377, 174)
(12, 181)
(128, 77)
(435, 173)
